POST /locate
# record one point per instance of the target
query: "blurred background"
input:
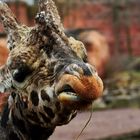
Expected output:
(110, 30)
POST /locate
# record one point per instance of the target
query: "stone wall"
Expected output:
(119, 22)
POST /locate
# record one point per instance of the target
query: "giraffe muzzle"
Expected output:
(76, 89)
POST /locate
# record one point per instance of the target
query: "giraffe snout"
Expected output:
(80, 83)
(82, 69)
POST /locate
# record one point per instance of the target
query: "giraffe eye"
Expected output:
(21, 73)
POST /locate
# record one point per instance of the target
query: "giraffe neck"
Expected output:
(36, 116)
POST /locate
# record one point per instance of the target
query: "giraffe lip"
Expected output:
(68, 93)
(67, 89)
(68, 96)
(87, 88)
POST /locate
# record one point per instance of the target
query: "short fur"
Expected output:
(43, 64)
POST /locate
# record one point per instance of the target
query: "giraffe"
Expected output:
(46, 75)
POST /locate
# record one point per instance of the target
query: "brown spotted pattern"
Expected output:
(46, 75)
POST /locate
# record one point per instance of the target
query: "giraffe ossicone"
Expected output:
(46, 75)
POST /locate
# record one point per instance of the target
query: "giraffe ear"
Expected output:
(9, 22)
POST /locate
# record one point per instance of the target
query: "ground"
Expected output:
(109, 123)
(104, 124)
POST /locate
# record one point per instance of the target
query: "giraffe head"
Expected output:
(46, 70)
(43, 56)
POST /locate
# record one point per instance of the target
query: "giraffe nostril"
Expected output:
(80, 69)
(89, 70)
(92, 69)
(74, 69)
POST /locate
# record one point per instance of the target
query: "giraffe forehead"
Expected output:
(33, 64)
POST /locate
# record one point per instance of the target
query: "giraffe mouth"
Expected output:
(71, 89)
(67, 93)
(68, 96)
